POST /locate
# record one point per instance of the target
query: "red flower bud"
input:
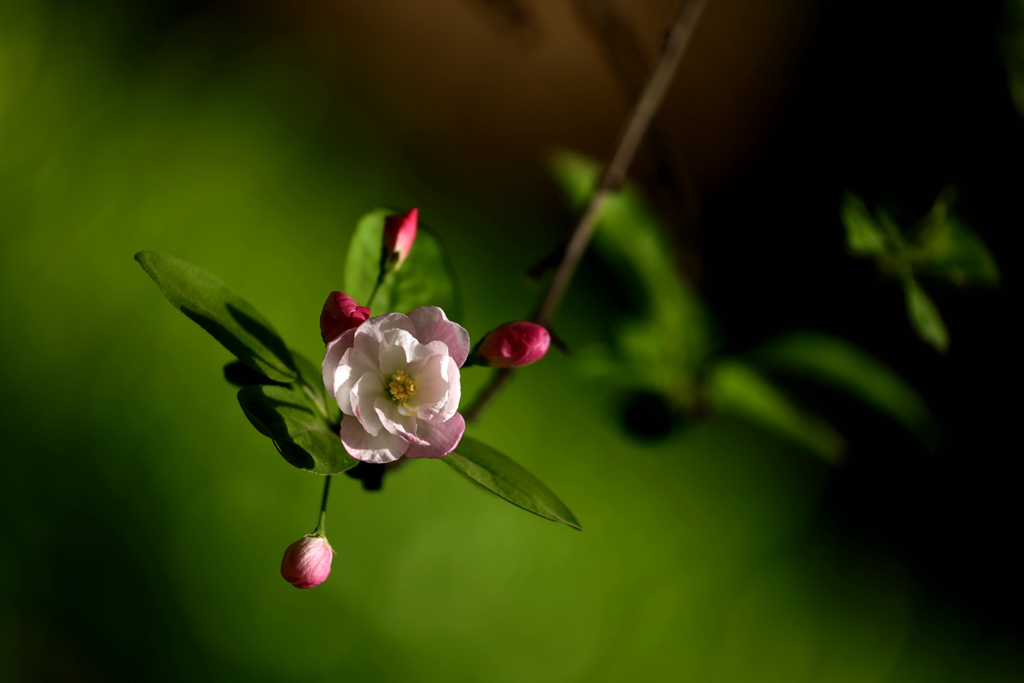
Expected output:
(513, 344)
(307, 562)
(399, 234)
(341, 314)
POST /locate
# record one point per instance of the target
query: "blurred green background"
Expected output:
(142, 519)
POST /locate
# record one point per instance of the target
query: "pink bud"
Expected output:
(307, 562)
(513, 344)
(341, 313)
(399, 234)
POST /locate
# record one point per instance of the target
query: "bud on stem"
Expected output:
(399, 234)
(307, 562)
(340, 314)
(512, 345)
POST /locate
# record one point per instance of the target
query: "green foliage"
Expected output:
(505, 478)
(947, 250)
(924, 315)
(863, 236)
(667, 348)
(285, 398)
(940, 247)
(424, 279)
(662, 348)
(292, 407)
(228, 317)
(835, 362)
(734, 388)
(312, 385)
(285, 416)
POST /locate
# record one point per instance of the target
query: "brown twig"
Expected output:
(673, 190)
(611, 180)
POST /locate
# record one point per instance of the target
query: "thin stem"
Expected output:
(320, 529)
(614, 174)
(632, 135)
(497, 383)
(376, 286)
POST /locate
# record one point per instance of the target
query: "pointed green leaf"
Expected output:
(835, 362)
(312, 378)
(863, 235)
(285, 416)
(737, 389)
(503, 477)
(949, 250)
(228, 317)
(424, 279)
(924, 316)
(241, 375)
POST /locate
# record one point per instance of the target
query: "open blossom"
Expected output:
(513, 344)
(307, 562)
(399, 234)
(340, 314)
(396, 380)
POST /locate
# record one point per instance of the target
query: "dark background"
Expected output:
(892, 102)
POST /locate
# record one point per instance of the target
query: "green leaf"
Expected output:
(241, 375)
(949, 250)
(228, 317)
(734, 388)
(924, 316)
(313, 379)
(505, 478)
(285, 416)
(424, 279)
(663, 346)
(835, 362)
(863, 235)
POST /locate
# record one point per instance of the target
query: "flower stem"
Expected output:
(646, 107)
(376, 286)
(320, 529)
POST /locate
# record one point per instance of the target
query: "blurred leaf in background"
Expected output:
(667, 348)
(940, 247)
(661, 347)
(835, 362)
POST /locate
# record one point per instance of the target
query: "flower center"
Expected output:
(402, 387)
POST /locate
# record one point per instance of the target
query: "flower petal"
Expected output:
(332, 357)
(399, 350)
(454, 393)
(385, 447)
(364, 392)
(350, 370)
(432, 383)
(442, 437)
(395, 422)
(433, 325)
(369, 336)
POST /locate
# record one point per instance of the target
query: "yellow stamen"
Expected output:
(402, 387)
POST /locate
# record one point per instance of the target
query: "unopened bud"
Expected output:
(512, 345)
(307, 562)
(341, 313)
(399, 234)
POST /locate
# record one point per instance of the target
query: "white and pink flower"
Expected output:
(396, 380)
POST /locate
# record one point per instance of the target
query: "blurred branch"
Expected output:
(673, 188)
(611, 180)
